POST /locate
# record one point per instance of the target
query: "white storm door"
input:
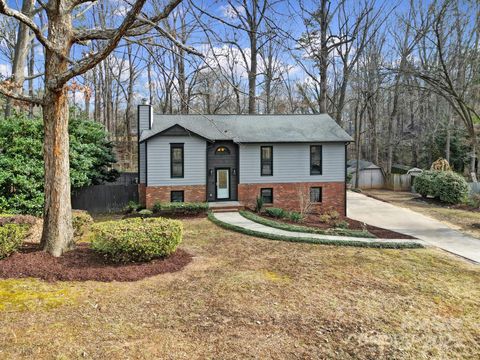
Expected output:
(223, 183)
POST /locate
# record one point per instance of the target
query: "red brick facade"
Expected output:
(285, 195)
(142, 194)
(291, 195)
(153, 194)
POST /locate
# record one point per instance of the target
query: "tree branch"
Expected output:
(20, 97)
(170, 37)
(135, 29)
(4, 9)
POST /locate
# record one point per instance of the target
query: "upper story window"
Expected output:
(266, 160)
(222, 150)
(316, 160)
(176, 160)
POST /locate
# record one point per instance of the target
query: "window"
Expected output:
(222, 150)
(266, 160)
(267, 195)
(316, 194)
(177, 196)
(176, 160)
(316, 160)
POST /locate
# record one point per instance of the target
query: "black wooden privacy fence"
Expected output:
(110, 197)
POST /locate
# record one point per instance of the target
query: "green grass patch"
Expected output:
(306, 229)
(355, 243)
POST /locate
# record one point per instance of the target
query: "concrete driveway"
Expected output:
(433, 232)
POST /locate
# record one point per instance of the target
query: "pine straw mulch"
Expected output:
(83, 264)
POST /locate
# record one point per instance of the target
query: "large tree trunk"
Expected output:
(57, 236)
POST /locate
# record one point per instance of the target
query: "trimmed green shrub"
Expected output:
(306, 229)
(423, 183)
(295, 216)
(275, 212)
(81, 221)
(370, 244)
(136, 239)
(450, 187)
(145, 213)
(180, 208)
(11, 238)
(132, 207)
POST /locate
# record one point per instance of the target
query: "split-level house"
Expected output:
(291, 161)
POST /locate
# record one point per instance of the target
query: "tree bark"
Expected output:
(57, 236)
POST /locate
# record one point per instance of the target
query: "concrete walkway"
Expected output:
(378, 213)
(234, 218)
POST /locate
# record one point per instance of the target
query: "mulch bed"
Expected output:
(170, 216)
(84, 264)
(353, 225)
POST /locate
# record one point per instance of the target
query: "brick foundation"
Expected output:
(192, 193)
(142, 193)
(289, 195)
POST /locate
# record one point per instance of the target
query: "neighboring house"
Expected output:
(370, 176)
(288, 160)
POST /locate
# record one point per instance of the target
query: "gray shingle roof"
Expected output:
(254, 128)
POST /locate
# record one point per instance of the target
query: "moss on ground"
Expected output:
(32, 294)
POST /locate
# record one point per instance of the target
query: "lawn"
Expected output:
(243, 297)
(464, 220)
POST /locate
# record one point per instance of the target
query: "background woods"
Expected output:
(403, 79)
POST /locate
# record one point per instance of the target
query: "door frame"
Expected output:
(229, 184)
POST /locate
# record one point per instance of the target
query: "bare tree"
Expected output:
(60, 67)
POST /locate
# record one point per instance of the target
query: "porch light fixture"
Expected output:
(210, 172)
(234, 172)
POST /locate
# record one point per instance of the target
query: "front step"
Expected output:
(227, 208)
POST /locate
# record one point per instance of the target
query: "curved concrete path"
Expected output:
(234, 218)
(382, 214)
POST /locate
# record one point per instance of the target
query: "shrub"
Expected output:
(136, 239)
(11, 238)
(424, 183)
(259, 204)
(329, 216)
(132, 207)
(81, 221)
(450, 187)
(22, 167)
(295, 216)
(341, 224)
(17, 219)
(275, 212)
(180, 208)
(145, 213)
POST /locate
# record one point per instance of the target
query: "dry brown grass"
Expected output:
(462, 220)
(243, 297)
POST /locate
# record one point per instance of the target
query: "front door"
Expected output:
(223, 184)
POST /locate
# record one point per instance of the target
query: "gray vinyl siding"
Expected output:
(158, 161)
(141, 162)
(291, 163)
